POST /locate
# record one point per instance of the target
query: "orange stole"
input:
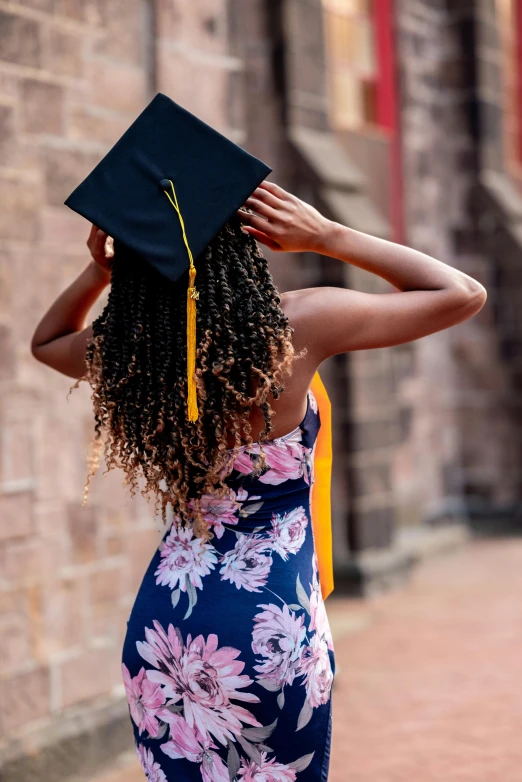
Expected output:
(320, 500)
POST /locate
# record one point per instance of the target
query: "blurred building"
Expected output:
(401, 118)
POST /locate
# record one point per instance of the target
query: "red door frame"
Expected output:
(388, 116)
(518, 19)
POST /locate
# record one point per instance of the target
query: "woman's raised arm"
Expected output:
(431, 295)
(61, 337)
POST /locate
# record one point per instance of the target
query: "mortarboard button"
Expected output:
(165, 184)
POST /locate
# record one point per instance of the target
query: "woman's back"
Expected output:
(249, 600)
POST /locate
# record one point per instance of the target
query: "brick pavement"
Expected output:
(430, 690)
(429, 677)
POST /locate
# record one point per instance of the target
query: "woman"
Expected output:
(228, 660)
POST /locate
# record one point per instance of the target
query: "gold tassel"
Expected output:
(192, 297)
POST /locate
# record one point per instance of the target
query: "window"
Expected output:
(363, 99)
(351, 62)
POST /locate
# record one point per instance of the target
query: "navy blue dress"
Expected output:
(228, 661)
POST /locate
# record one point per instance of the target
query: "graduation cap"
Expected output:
(164, 190)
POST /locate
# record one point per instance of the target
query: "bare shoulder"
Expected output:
(312, 312)
(295, 305)
(330, 321)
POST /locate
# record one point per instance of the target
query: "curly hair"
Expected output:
(136, 366)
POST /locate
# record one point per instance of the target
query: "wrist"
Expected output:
(99, 273)
(327, 236)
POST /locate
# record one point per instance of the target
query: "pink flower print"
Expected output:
(243, 463)
(287, 461)
(318, 616)
(310, 464)
(203, 677)
(183, 553)
(219, 511)
(288, 532)
(248, 564)
(268, 771)
(278, 636)
(313, 401)
(316, 666)
(152, 769)
(242, 496)
(187, 742)
(319, 619)
(145, 700)
(213, 769)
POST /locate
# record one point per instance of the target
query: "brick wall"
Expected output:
(72, 77)
(281, 46)
(73, 74)
(458, 426)
(497, 209)
(418, 429)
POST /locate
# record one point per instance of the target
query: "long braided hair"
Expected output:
(136, 366)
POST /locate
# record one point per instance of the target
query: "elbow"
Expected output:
(482, 297)
(34, 347)
(37, 351)
(477, 296)
(40, 345)
(470, 297)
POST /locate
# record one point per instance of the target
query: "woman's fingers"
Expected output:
(261, 194)
(108, 247)
(268, 200)
(274, 189)
(253, 220)
(261, 208)
(262, 238)
(97, 244)
(283, 219)
(258, 227)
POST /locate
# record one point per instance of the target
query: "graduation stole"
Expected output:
(320, 499)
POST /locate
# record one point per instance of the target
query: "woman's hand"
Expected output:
(282, 221)
(101, 247)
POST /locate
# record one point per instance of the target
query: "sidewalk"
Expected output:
(431, 689)
(429, 685)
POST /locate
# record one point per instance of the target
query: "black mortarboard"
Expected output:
(164, 190)
(125, 194)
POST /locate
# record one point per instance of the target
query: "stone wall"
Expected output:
(421, 431)
(72, 77)
(497, 211)
(284, 87)
(73, 74)
(320, 170)
(458, 424)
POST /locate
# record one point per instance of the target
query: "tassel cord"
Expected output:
(192, 297)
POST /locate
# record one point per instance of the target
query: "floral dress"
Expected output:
(228, 660)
